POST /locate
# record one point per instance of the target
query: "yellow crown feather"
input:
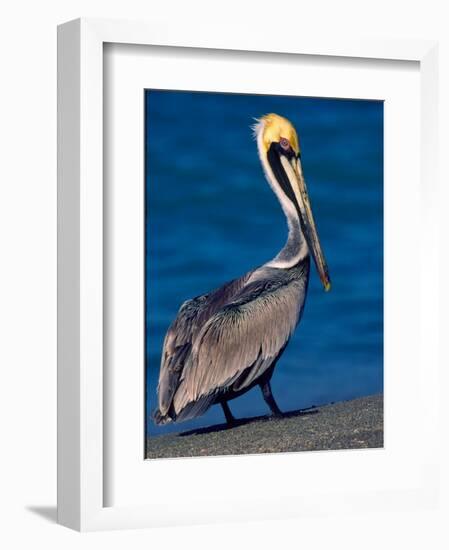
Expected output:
(276, 127)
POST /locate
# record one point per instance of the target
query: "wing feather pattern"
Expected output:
(245, 335)
(178, 341)
(224, 341)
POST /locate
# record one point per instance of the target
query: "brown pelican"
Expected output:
(223, 343)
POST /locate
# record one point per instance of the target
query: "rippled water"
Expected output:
(211, 217)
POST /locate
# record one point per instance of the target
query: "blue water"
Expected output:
(211, 217)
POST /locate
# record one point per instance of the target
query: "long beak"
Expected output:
(294, 172)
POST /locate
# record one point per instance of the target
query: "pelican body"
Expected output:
(223, 343)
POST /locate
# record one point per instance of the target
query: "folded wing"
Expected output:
(239, 342)
(177, 347)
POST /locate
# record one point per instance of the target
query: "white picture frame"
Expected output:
(82, 475)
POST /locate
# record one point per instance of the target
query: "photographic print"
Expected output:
(263, 274)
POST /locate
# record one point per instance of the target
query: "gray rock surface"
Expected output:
(354, 424)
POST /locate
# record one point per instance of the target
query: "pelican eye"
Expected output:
(284, 143)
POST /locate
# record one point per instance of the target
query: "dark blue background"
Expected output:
(211, 217)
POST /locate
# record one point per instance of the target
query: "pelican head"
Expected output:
(280, 154)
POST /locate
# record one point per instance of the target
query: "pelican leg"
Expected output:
(269, 399)
(230, 419)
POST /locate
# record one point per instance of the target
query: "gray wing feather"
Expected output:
(248, 332)
(178, 341)
(176, 348)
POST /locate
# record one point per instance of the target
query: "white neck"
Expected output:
(295, 248)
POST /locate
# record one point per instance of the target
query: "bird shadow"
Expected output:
(243, 421)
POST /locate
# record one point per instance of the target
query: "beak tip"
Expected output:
(327, 286)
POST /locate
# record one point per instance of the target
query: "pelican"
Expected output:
(223, 343)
